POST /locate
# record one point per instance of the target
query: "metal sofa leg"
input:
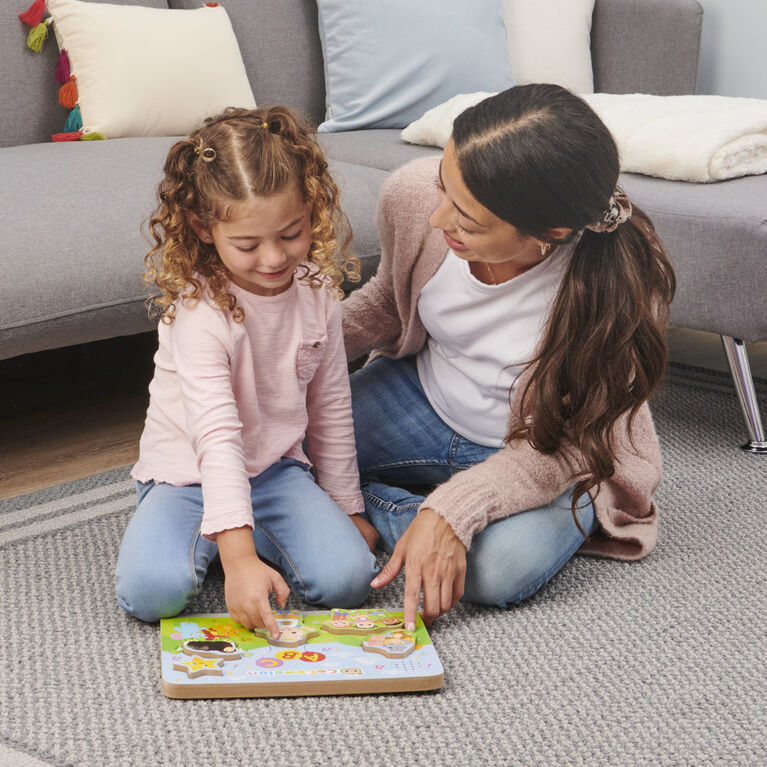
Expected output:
(737, 358)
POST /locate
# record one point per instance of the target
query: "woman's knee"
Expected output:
(497, 584)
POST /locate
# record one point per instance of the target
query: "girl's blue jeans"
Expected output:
(402, 443)
(297, 527)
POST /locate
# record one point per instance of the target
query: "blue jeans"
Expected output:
(297, 527)
(402, 443)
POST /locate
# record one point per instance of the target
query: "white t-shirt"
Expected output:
(480, 337)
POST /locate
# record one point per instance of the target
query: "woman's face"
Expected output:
(472, 231)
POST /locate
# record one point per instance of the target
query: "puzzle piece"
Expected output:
(360, 622)
(217, 648)
(290, 636)
(392, 644)
(201, 667)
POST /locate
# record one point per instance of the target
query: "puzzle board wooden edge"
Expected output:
(211, 656)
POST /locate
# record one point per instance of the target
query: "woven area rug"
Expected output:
(662, 662)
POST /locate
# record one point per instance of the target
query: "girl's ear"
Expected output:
(200, 229)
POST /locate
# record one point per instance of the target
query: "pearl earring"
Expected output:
(545, 246)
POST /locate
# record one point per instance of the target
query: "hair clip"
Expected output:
(207, 153)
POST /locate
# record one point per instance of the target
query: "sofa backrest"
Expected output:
(29, 108)
(280, 45)
(279, 41)
(645, 46)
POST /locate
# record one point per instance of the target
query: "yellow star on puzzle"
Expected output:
(200, 667)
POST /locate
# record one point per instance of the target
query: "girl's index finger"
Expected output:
(268, 617)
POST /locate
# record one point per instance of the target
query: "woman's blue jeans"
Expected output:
(297, 527)
(402, 443)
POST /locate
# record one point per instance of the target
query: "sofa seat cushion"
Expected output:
(72, 272)
(72, 267)
(382, 148)
(716, 239)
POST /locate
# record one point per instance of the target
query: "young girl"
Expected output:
(518, 326)
(250, 370)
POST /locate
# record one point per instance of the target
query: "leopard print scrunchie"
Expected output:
(617, 213)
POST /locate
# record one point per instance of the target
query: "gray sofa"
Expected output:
(71, 251)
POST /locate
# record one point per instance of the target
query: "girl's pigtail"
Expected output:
(175, 246)
(331, 232)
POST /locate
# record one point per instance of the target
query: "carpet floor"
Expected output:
(661, 662)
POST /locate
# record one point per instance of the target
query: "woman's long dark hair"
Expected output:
(538, 157)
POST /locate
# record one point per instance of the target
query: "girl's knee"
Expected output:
(343, 582)
(151, 596)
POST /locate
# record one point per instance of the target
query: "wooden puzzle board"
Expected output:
(339, 652)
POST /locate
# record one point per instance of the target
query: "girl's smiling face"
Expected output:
(263, 241)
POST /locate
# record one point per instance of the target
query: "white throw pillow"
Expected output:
(436, 125)
(550, 42)
(150, 71)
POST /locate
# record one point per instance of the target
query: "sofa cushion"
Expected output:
(359, 187)
(72, 272)
(189, 66)
(30, 111)
(647, 46)
(388, 62)
(716, 239)
(550, 42)
(280, 47)
(379, 148)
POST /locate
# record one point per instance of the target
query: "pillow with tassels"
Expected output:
(128, 70)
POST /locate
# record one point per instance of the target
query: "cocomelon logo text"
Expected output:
(309, 671)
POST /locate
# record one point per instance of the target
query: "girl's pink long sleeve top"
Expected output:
(229, 399)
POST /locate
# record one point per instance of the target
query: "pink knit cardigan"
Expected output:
(381, 317)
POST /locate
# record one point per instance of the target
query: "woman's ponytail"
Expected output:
(603, 352)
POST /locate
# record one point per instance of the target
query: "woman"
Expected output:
(516, 337)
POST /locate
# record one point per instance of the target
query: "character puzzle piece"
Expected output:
(292, 631)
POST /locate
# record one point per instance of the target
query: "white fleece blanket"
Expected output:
(685, 138)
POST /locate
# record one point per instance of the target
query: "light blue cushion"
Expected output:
(388, 61)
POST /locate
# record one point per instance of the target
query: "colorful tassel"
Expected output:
(75, 136)
(74, 121)
(93, 136)
(62, 67)
(37, 36)
(34, 15)
(68, 94)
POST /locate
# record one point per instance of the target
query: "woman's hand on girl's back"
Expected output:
(435, 563)
(248, 582)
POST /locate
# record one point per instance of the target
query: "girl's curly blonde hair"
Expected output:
(255, 152)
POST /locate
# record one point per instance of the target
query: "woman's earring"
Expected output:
(545, 246)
